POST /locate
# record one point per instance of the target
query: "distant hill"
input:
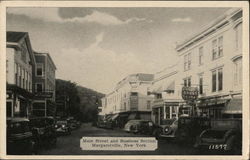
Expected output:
(82, 102)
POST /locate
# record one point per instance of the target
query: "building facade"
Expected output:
(44, 85)
(212, 62)
(167, 103)
(130, 99)
(20, 64)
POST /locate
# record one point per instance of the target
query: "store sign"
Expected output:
(44, 94)
(190, 93)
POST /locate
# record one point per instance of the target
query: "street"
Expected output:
(70, 144)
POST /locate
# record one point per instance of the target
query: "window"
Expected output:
(214, 49)
(238, 72)
(39, 87)
(201, 84)
(39, 69)
(217, 48)
(200, 55)
(20, 76)
(217, 80)
(187, 62)
(23, 77)
(220, 46)
(213, 81)
(125, 106)
(134, 94)
(187, 82)
(220, 79)
(238, 36)
(148, 104)
(16, 73)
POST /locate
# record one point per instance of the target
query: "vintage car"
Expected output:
(62, 127)
(139, 126)
(225, 135)
(43, 130)
(167, 129)
(20, 140)
(191, 127)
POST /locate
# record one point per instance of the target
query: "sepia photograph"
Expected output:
(145, 80)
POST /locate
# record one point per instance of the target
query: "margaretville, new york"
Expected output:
(111, 80)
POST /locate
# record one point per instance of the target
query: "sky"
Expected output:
(98, 47)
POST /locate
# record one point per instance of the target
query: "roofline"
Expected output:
(211, 27)
(47, 54)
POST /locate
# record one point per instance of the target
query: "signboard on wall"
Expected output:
(189, 93)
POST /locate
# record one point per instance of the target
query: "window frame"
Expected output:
(37, 87)
(42, 67)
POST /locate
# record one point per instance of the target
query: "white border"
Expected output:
(243, 4)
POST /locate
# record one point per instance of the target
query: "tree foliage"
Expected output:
(81, 102)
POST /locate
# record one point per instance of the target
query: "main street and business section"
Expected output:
(190, 108)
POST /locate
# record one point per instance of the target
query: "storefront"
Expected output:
(18, 102)
(166, 110)
(212, 107)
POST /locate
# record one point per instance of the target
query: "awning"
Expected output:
(114, 117)
(170, 87)
(212, 102)
(234, 106)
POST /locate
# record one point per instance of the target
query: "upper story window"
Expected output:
(200, 55)
(187, 62)
(39, 70)
(39, 87)
(187, 82)
(201, 84)
(217, 48)
(238, 72)
(217, 80)
(238, 36)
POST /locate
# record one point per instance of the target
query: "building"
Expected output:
(129, 99)
(167, 103)
(20, 64)
(211, 61)
(44, 85)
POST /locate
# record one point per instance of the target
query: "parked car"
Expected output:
(20, 140)
(191, 127)
(43, 130)
(224, 135)
(139, 126)
(167, 129)
(72, 123)
(62, 127)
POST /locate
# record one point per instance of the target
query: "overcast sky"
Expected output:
(97, 47)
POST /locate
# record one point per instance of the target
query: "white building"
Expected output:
(129, 99)
(20, 64)
(212, 61)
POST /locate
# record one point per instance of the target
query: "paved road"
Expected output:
(70, 144)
